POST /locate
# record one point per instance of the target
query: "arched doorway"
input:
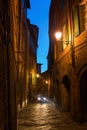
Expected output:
(83, 95)
(66, 93)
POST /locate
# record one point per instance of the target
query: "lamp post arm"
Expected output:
(65, 42)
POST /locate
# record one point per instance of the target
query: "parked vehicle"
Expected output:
(42, 99)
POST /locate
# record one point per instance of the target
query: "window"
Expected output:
(76, 21)
(63, 4)
(82, 17)
(79, 19)
(65, 34)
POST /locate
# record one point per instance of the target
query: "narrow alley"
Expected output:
(34, 67)
(37, 116)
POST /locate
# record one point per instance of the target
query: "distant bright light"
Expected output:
(44, 98)
(58, 35)
(39, 98)
(46, 82)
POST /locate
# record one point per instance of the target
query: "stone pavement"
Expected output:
(38, 116)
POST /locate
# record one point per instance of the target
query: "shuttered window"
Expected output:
(79, 19)
(63, 4)
(67, 33)
(76, 21)
(82, 17)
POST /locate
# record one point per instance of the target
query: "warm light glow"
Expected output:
(58, 35)
(37, 75)
(46, 82)
(26, 101)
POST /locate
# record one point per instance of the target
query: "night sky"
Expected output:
(39, 15)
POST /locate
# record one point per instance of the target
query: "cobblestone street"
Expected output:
(38, 116)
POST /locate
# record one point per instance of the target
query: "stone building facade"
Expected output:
(8, 71)
(21, 53)
(32, 61)
(14, 60)
(67, 58)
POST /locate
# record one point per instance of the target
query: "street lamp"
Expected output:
(58, 36)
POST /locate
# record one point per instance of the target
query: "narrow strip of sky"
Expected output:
(39, 15)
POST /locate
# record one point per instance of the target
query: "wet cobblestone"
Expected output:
(46, 117)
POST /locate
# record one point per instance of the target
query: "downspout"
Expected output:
(18, 51)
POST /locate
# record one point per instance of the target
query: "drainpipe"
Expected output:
(18, 51)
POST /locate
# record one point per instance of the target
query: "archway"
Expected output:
(83, 95)
(66, 93)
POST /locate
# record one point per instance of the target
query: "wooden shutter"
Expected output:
(82, 17)
(76, 21)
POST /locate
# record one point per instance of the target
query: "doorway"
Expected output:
(66, 93)
(83, 95)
